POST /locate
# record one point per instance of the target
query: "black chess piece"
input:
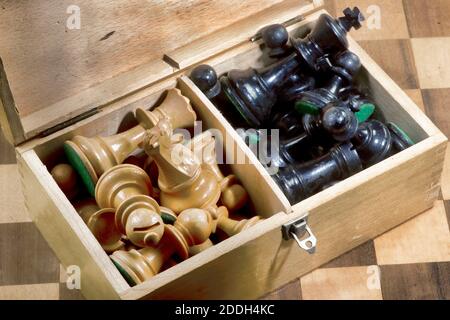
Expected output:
(329, 36)
(359, 103)
(254, 92)
(276, 37)
(205, 78)
(374, 141)
(344, 68)
(300, 181)
(295, 86)
(337, 123)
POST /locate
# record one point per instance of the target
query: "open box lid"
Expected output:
(63, 62)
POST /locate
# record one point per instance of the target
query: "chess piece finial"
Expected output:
(193, 227)
(66, 178)
(126, 188)
(101, 223)
(205, 78)
(91, 157)
(276, 37)
(300, 181)
(339, 122)
(183, 182)
(233, 196)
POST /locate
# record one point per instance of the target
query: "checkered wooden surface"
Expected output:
(411, 261)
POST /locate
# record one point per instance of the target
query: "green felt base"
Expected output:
(365, 112)
(125, 274)
(305, 107)
(402, 134)
(167, 218)
(79, 167)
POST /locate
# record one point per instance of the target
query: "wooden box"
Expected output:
(126, 56)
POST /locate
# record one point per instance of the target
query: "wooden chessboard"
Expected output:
(411, 261)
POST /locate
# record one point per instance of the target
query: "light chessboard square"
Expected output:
(342, 283)
(425, 238)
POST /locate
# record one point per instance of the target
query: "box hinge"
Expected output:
(301, 233)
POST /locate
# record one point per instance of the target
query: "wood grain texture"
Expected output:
(426, 238)
(432, 56)
(429, 281)
(240, 32)
(341, 284)
(22, 250)
(429, 18)
(385, 51)
(47, 62)
(363, 255)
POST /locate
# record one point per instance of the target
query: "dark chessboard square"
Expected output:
(25, 257)
(428, 281)
(363, 255)
(429, 18)
(396, 58)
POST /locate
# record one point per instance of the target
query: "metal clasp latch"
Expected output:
(297, 230)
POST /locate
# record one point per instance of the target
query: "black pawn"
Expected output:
(276, 37)
(205, 78)
(339, 122)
